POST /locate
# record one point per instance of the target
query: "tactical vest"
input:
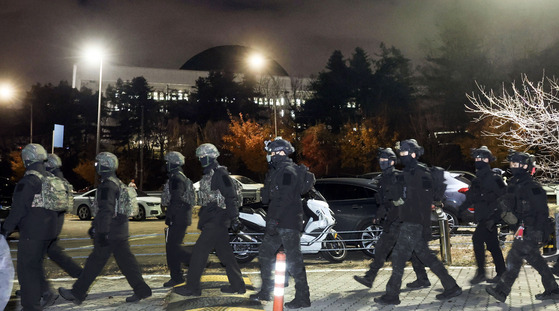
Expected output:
(126, 203)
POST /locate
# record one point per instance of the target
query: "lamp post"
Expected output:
(257, 62)
(96, 54)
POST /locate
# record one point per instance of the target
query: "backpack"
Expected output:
(56, 193)
(188, 196)
(439, 185)
(127, 203)
(206, 195)
(306, 178)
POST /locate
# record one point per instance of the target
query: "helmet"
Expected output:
(106, 162)
(483, 152)
(279, 144)
(207, 150)
(174, 157)
(386, 154)
(411, 146)
(53, 161)
(33, 153)
(522, 158)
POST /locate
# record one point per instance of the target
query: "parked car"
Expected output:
(353, 202)
(457, 183)
(250, 188)
(148, 206)
(6, 193)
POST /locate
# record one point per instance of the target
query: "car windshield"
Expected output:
(244, 180)
(140, 193)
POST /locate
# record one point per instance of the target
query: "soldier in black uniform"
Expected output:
(391, 190)
(486, 188)
(218, 213)
(110, 236)
(37, 230)
(525, 207)
(55, 252)
(284, 224)
(415, 215)
(178, 215)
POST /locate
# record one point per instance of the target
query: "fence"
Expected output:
(445, 233)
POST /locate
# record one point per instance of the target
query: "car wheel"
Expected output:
(83, 212)
(370, 233)
(141, 214)
(452, 220)
(244, 251)
(335, 248)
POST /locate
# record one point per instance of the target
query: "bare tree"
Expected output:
(526, 118)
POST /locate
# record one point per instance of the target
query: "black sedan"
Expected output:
(353, 202)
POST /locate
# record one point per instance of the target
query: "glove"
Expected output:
(271, 227)
(398, 202)
(490, 225)
(91, 232)
(509, 218)
(102, 239)
(236, 225)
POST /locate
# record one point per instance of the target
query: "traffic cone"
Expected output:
(279, 280)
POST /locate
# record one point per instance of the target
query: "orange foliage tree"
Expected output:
(246, 143)
(359, 143)
(317, 148)
(86, 169)
(17, 165)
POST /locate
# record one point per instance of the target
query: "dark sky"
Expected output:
(40, 40)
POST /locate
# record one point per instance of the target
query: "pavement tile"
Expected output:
(331, 289)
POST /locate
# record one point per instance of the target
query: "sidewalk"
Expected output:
(331, 289)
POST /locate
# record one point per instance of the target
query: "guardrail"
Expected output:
(444, 245)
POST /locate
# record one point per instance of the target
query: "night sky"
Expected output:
(40, 40)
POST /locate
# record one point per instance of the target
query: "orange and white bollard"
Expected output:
(279, 281)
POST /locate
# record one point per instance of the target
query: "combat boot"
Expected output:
(478, 278)
(363, 280)
(449, 293)
(172, 283)
(388, 300)
(48, 298)
(419, 283)
(68, 295)
(261, 295)
(552, 294)
(184, 291)
(497, 294)
(298, 302)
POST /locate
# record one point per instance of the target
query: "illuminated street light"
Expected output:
(96, 54)
(7, 92)
(258, 62)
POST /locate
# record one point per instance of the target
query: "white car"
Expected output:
(148, 206)
(251, 189)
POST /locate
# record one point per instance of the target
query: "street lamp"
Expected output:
(258, 62)
(95, 54)
(8, 93)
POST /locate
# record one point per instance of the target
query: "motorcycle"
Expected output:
(318, 234)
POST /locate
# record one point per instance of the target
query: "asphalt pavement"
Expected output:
(331, 289)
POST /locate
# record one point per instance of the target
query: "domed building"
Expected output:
(231, 58)
(170, 84)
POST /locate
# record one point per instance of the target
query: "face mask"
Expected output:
(277, 158)
(518, 171)
(407, 160)
(384, 165)
(480, 165)
(206, 161)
